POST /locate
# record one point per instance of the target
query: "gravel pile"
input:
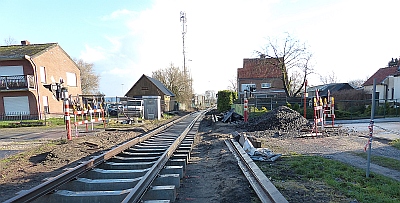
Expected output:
(281, 118)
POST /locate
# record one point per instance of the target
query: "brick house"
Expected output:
(387, 83)
(26, 70)
(260, 74)
(147, 86)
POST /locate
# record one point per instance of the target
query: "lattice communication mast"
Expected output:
(184, 29)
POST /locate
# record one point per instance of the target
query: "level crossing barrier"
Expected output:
(88, 116)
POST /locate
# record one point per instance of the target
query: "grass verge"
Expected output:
(381, 161)
(395, 143)
(342, 179)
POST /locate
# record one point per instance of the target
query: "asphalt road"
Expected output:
(15, 140)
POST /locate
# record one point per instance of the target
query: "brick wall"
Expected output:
(57, 63)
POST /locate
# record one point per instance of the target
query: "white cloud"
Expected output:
(93, 54)
(118, 14)
(351, 40)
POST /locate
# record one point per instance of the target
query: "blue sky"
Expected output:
(127, 38)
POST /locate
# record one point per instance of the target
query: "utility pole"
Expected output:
(371, 129)
(184, 29)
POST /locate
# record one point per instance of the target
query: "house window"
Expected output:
(71, 79)
(46, 104)
(265, 85)
(42, 74)
(145, 88)
(11, 70)
(246, 87)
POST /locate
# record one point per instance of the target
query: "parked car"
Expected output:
(114, 109)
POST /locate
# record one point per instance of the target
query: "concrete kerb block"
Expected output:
(181, 156)
(190, 145)
(125, 166)
(173, 170)
(156, 201)
(177, 162)
(167, 192)
(84, 196)
(167, 179)
(119, 159)
(242, 139)
(84, 184)
(97, 173)
(183, 152)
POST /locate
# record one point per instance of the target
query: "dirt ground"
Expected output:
(212, 174)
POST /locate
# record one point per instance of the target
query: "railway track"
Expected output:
(266, 191)
(145, 169)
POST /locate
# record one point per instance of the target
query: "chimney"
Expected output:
(25, 42)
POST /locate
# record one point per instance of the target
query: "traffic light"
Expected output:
(252, 89)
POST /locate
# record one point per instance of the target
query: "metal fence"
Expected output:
(18, 116)
(23, 116)
(344, 109)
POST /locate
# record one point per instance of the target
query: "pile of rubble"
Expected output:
(281, 119)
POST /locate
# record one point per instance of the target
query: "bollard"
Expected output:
(67, 119)
(246, 115)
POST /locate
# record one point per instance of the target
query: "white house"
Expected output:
(387, 84)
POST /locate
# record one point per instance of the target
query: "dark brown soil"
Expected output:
(212, 174)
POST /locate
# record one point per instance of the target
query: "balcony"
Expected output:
(16, 82)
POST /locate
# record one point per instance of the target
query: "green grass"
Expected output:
(348, 180)
(395, 143)
(381, 161)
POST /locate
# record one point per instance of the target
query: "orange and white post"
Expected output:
(246, 114)
(67, 119)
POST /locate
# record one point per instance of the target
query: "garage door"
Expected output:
(16, 105)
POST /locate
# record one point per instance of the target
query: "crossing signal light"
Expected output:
(55, 88)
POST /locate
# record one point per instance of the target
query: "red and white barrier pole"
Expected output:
(246, 115)
(67, 119)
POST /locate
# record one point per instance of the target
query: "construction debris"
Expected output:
(282, 118)
(257, 154)
(231, 116)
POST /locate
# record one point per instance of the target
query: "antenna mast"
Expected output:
(184, 29)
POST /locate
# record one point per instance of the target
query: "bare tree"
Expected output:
(292, 59)
(9, 41)
(89, 79)
(327, 79)
(357, 82)
(179, 82)
(233, 84)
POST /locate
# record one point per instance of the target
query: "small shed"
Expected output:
(147, 86)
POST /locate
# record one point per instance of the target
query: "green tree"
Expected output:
(225, 100)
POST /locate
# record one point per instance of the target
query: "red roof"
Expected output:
(381, 74)
(259, 68)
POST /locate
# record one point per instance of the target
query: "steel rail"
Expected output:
(53, 183)
(140, 188)
(265, 190)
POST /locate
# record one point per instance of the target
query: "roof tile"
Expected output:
(381, 74)
(259, 68)
(13, 52)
